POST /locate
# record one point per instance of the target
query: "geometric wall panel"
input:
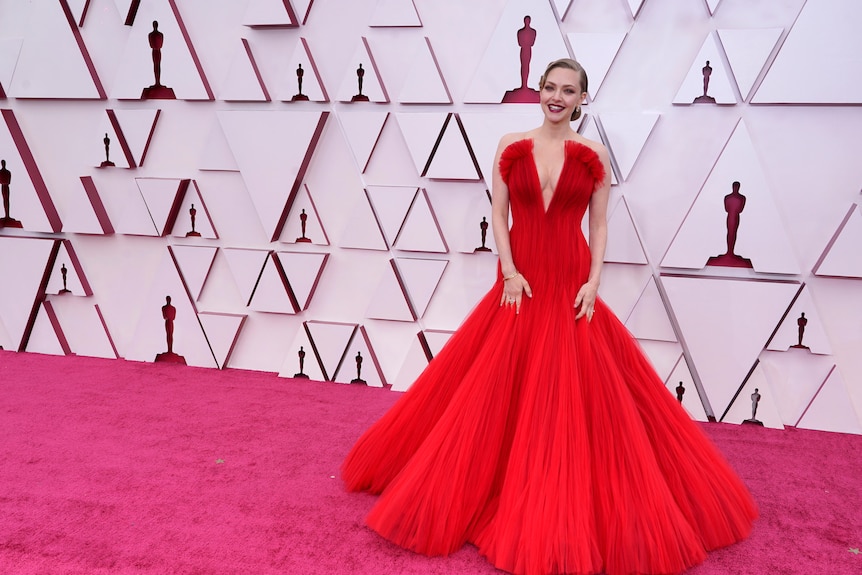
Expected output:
(194, 264)
(627, 134)
(135, 129)
(802, 322)
(10, 49)
(424, 83)
(392, 13)
(636, 5)
(623, 245)
(500, 70)
(272, 292)
(362, 230)
(760, 381)
(302, 271)
(53, 62)
(420, 279)
(841, 257)
(362, 82)
(452, 158)
(29, 200)
(272, 150)
(330, 341)
(422, 349)
(246, 266)
(749, 228)
(711, 5)
(725, 339)
(422, 132)
(596, 52)
(191, 221)
(23, 276)
(362, 129)
(690, 398)
(476, 224)
(68, 274)
(150, 336)
(270, 13)
(421, 231)
(180, 69)
(484, 131)
(303, 223)
(222, 331)
(360, 362)
(649, 319)
(301, 68)
(747, 52)
(163, 197)
(707, 80)
(390, 300)
(826, 31)
(82, 326)
(216, 154)
(244, 82)
(46, 336)
(301, 358)
(832, 408)
(795, 377)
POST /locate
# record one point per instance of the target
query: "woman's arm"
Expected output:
(586, 298)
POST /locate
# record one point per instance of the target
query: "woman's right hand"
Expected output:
(514, 289)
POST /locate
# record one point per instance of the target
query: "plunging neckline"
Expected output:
(546, 208)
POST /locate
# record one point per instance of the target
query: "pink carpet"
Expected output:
(119, 467)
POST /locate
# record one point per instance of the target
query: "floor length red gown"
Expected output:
(549, 443)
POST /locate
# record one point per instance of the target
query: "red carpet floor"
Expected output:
(119, 467)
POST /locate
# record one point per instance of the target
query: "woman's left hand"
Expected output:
(586, 301)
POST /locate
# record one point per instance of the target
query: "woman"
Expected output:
(540, 432)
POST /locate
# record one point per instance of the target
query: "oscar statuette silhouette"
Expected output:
(523, 94)
(801, 322)
(299, 96)
(755, 400)
(358, 378)
(157, 91)
(680, 391)
(703, 98)
(303, 220)
(169, 313)
(7, 221)
(360, 74)
(192, 215)
(64, 272)
(301, 374)
(483, 230)
(107, 163)
(734, 203)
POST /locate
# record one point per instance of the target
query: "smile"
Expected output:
(554, 108)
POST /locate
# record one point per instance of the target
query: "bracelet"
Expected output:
(514, 275)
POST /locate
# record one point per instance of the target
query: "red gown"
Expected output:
(549, 443)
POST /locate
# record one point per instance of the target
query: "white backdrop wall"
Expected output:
(394, 189)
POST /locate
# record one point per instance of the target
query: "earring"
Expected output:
(576, 114)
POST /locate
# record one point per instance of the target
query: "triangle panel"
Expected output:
(162, 197)
(272, 292)
(301, 361)
(802, 326)
(53, 61)
(83, 327)
(246, 266)
(421, 232)
(136, 132)
(424, 83)
(362, 231)
(759, 382)
(740, 220)
(362, 82)
(193, 217)
(841, 258)
(390, 300)
(362, 129)
(628, 134)
(500, 76)
(243, 82)
(707, 81)
(724, 341)
(690, 399)
(330, 341)
(360, 363)
(67, 276)
(303, 271)
(452, 158)
(194, 264)
(649, 318)
(596, 52)
(826, 31)
(222, 331)
(422, 131)
(624, 245)
(832, 409)
(796, 376)
(391, 205)
(484, 131)
(23, 267)
(747, 52)
(216, 154)
(420, 279)
(46, 335)
(300, 80)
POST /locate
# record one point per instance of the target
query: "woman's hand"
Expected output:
(514, 289)
(586, 300)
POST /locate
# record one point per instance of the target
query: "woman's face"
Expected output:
(561, 94)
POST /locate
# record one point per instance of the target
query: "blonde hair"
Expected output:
(568, 64)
